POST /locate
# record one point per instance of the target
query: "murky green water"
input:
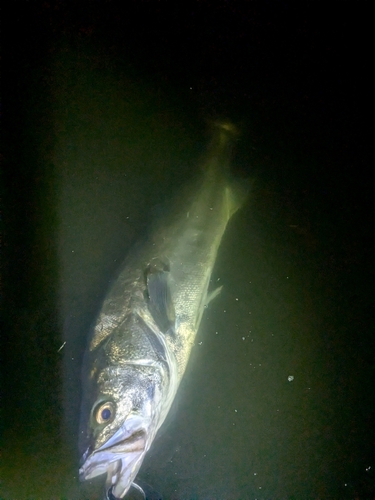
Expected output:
(276, 400)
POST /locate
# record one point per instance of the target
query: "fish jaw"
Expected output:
(121, 456)
(135, 396)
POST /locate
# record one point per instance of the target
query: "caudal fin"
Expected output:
(224, 135)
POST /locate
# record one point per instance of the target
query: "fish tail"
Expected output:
(224, 136)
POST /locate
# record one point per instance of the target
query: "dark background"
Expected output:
(104, 109)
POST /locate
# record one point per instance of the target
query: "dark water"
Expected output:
(104, 120)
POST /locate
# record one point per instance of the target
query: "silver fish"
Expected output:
(144, 333)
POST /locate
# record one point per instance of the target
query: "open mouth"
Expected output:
(113, 457)
(134, 438)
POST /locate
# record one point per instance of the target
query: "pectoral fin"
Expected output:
(160, 302)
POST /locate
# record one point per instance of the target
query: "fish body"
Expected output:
(144, 333)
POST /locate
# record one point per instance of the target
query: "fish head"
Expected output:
(119, 422)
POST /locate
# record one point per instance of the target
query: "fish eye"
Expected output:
(105, 413)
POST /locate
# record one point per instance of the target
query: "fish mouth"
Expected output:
(120, 458)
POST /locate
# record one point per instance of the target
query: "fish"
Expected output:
(141, 341)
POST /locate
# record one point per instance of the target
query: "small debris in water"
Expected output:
(290, 378)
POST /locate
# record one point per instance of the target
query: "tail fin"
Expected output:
(224, 135)
(223, 131)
